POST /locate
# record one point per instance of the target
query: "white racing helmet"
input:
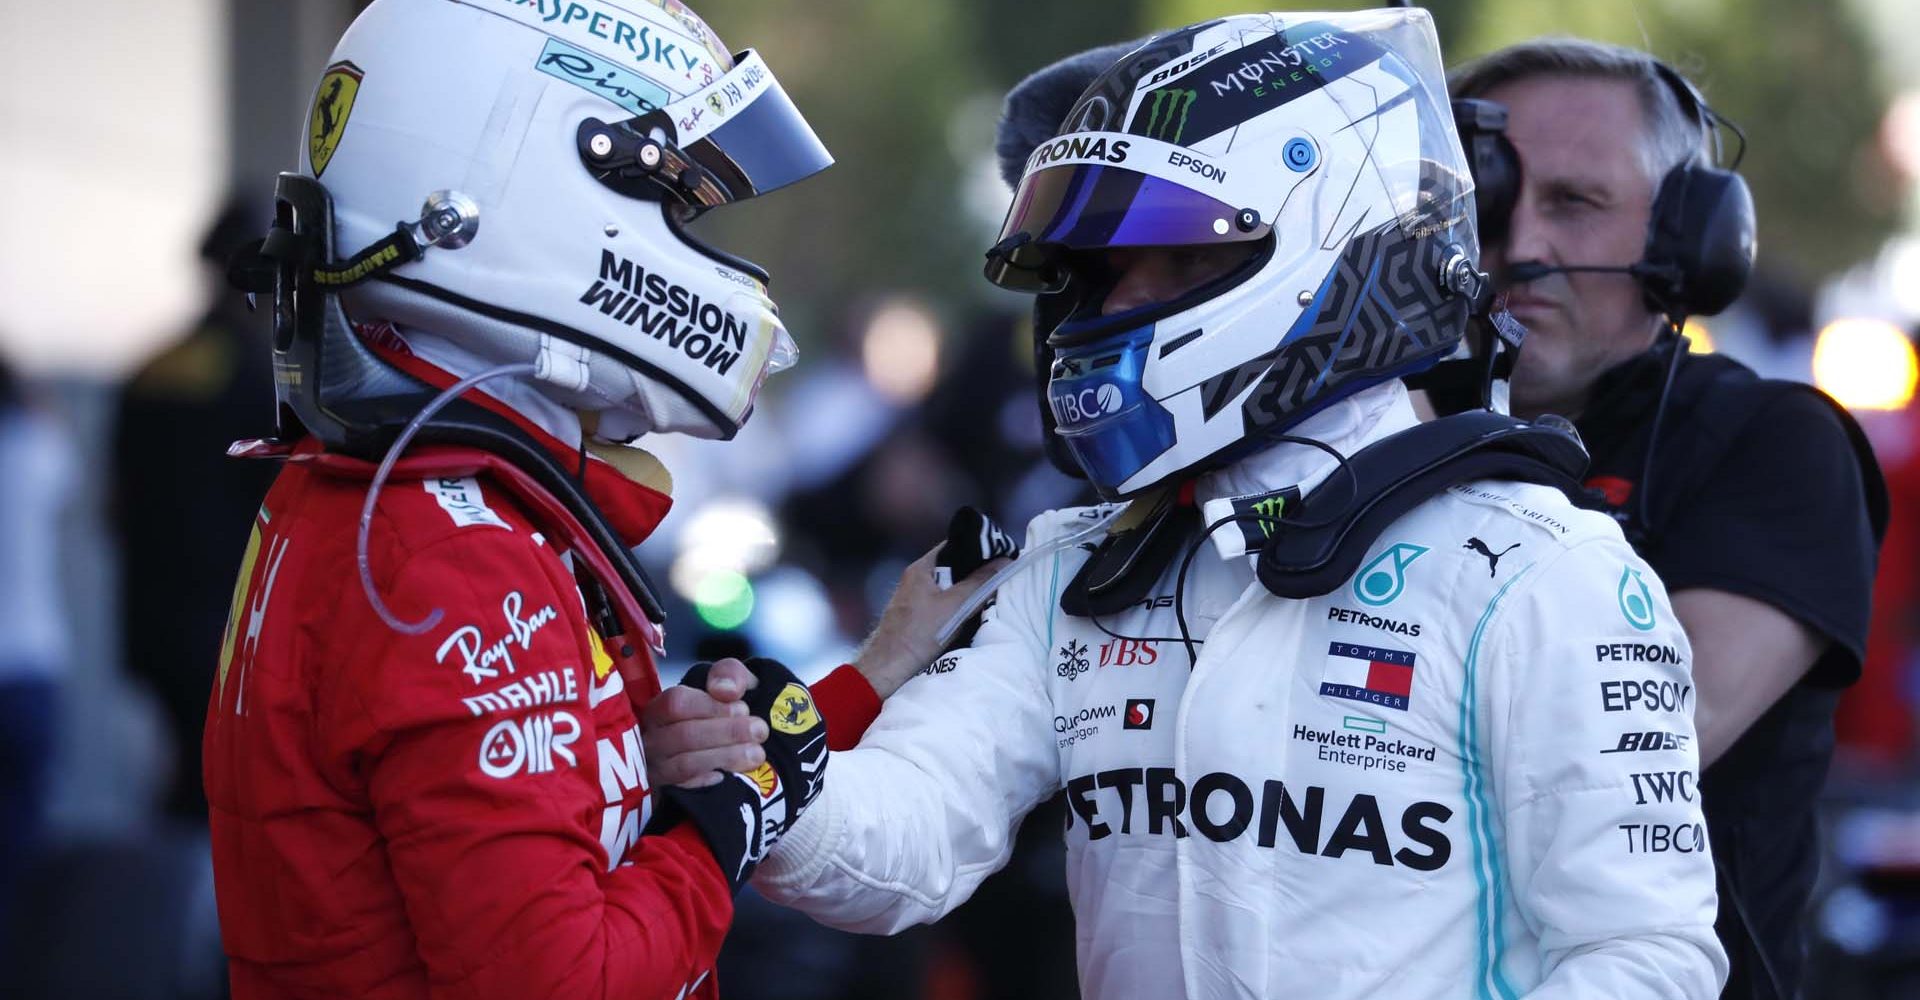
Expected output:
(1322, 143)
(552, 153)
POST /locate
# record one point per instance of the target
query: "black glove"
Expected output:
(972, 540)
(743, 815)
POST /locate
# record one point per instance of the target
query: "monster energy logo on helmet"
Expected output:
(1167, 110)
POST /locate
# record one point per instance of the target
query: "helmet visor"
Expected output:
(745, 129)
(1093, 206)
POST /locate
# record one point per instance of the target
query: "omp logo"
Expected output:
(1167, 110)
(530, 744)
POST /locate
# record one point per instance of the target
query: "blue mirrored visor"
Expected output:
(761, 146)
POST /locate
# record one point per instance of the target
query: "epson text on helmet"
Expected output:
(632, 295)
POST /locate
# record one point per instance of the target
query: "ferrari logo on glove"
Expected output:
(793, 712)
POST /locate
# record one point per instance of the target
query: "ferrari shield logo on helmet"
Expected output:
(332, 103)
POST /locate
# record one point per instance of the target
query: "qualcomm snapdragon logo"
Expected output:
(1382, 580)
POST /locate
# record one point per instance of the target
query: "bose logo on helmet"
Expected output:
(1087, 404)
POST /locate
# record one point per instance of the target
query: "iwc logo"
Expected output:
(332, 103)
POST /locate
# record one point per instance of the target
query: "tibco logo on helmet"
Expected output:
(1081, 405)
(585, 134)
(1355, 107)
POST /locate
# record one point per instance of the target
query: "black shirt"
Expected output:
(1765, 489)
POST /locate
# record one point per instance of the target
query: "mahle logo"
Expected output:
(1167, 113)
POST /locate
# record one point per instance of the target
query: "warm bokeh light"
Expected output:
(900, 351)
(1866, 364)
(1699, 338)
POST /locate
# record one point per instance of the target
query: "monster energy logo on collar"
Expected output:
(1259, 513)
(1382, 580)
(1167, 113)
(1636, 602)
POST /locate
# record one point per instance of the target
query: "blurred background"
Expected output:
(138, 141)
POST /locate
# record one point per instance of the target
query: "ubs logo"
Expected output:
(1073, 660)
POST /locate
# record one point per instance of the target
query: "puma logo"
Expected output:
(1493, 558)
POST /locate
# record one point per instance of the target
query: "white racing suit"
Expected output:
(1469, 771)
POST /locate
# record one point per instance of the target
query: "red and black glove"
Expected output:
(743, 815)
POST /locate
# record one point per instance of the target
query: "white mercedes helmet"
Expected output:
(1322, 147)
(555, 150)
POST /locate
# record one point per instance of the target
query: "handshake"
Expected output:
(740, 750)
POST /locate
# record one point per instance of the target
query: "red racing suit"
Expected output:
(456, 813)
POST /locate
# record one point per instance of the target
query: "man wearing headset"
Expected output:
(1330, 692)
(1756, 501)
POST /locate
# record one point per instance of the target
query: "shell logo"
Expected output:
(764, 780)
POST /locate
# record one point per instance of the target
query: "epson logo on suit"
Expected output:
(1649, 696)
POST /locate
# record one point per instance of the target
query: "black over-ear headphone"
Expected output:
(1700, 237)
